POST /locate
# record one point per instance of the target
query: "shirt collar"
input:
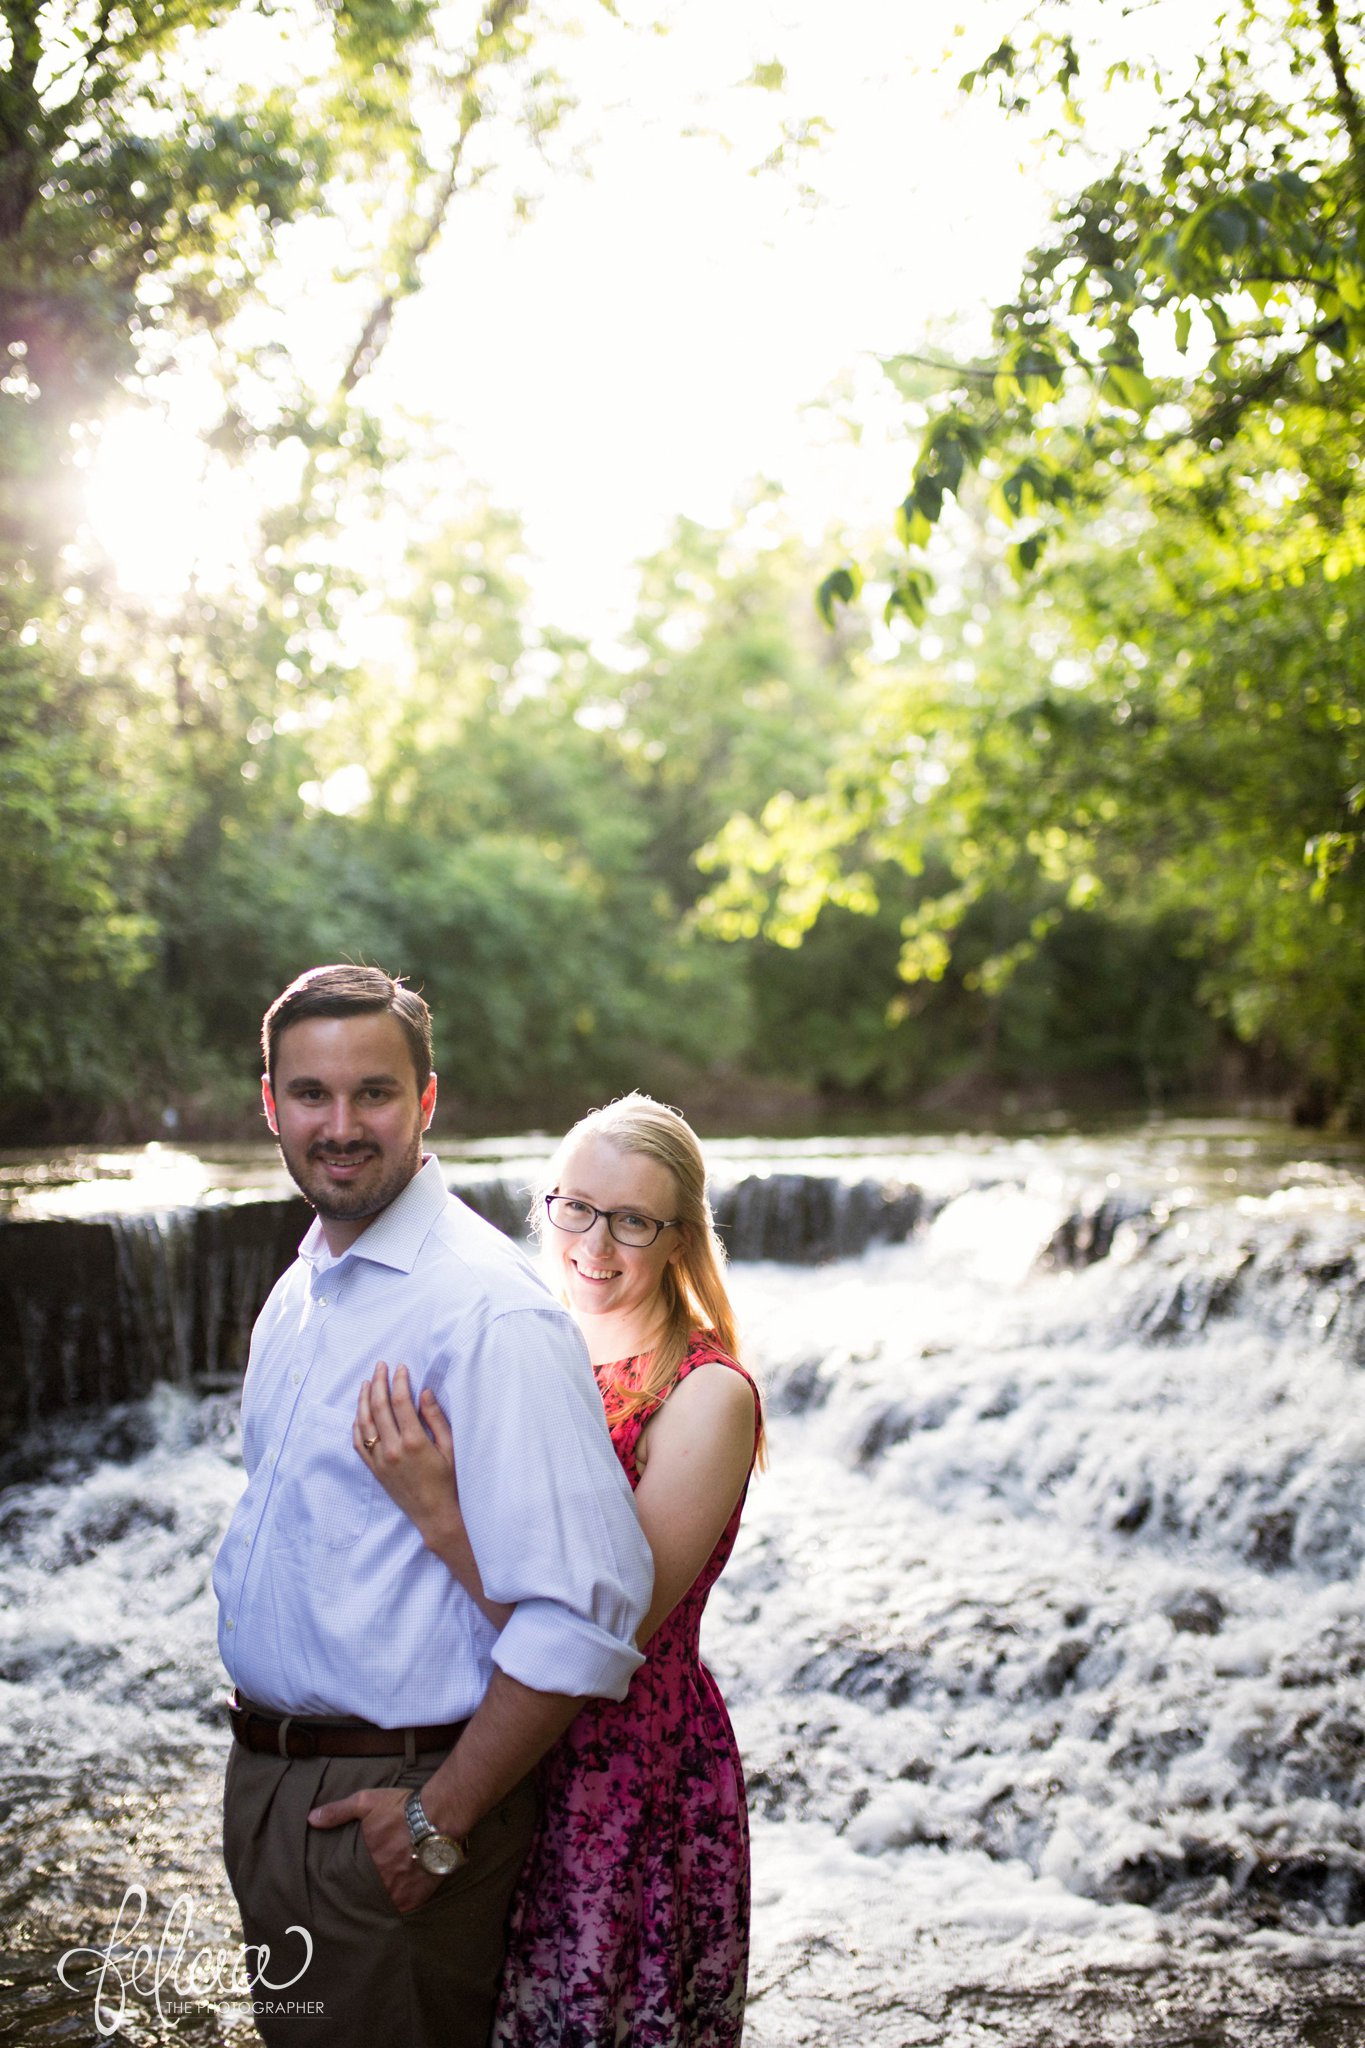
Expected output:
(398, 1233)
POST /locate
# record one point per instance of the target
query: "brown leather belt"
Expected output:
(293, 1735)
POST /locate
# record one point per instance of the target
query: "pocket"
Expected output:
(367, 1871)
(326, 1494)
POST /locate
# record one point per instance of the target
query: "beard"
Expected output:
(381, 1178)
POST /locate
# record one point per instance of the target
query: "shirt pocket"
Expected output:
(326, 1495)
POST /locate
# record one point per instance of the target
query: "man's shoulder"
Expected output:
(495, 1275)
(294, 1276)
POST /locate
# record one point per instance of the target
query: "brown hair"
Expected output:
(346, 991)
(693, 1286)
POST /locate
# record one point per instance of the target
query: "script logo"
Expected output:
(208, 1975)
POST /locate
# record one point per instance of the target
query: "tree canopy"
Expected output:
(1160, 726)
(1095, 821)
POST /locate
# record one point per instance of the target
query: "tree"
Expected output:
(1211, 278)
(145, 177)
(1161, 730)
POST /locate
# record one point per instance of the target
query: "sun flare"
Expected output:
(162, 510)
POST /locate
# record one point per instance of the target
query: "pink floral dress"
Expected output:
(631, 1921)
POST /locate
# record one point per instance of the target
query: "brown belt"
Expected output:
(293, 1735)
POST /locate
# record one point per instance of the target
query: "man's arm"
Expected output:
(510, 1731)
(549, 1511)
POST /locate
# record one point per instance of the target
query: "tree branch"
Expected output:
(1348, 106)
(86, 59)
(20, 117)
(375, 333)
(1225, 415)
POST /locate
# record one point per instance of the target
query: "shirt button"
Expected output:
(295, 1378)
(323, 1300)
(230, 1623)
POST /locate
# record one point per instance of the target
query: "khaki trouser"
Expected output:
(425, 1979)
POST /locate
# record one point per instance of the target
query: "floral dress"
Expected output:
(631, 1921)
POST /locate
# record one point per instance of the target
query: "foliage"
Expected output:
(199, 795)
(727, 690)
(1209, 279)
(1152, 745)
(148, 760)
(526, 843)
(991, 952)
(71, 936)
(496, 812)
(1092, 832)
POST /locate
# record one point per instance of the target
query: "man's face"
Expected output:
(346, 1110)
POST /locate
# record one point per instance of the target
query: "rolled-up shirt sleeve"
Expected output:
(546, 1503)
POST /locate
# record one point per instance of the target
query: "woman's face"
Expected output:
(598, 1276)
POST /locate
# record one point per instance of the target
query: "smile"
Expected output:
(344, 1166)
(591, 1273)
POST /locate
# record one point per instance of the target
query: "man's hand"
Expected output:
(388, 1839)
(509, 1732)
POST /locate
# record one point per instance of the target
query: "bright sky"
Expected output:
(654, 338)
(656, 335)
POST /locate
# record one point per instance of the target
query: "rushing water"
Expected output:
(1043, 1638)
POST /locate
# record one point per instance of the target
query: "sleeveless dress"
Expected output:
(630, 1924)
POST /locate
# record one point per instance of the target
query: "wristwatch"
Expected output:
(438, 1854)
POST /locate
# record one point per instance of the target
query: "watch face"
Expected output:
(439, 1856)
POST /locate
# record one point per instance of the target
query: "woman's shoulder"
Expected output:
(704, 1348)
(711, 1398)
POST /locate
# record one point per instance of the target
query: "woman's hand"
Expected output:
(410, 1450)
(414, 1465)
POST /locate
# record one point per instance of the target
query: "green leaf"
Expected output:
(1024, 555)
(1350, 284)
(1121, 286)
(928, 495)
(1033, 372)
(910, 596)
(1230, 226)
(841, 586)
(942, 463)
(1128, 387)
(913, 530)
(1217, 316)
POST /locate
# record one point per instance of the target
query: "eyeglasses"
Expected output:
(627, 1226)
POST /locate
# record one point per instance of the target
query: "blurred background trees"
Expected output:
(1079, 826)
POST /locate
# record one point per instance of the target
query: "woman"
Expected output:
(631, 1921)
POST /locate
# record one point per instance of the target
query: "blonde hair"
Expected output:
(693, 1285)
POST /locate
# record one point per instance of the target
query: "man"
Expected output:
(365, 1675)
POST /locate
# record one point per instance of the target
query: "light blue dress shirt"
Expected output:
(329, 1603)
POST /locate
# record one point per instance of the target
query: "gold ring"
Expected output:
(369, 1442)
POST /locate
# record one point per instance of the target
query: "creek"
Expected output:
(1043, 1638)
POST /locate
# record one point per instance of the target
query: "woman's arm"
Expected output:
(412, 1456)
(698, 1449)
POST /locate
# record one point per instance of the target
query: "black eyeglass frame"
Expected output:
(608, 1216)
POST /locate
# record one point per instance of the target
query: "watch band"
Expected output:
(439, 1855)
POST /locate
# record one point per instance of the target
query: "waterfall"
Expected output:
(102, 1309)
(804, 1218)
